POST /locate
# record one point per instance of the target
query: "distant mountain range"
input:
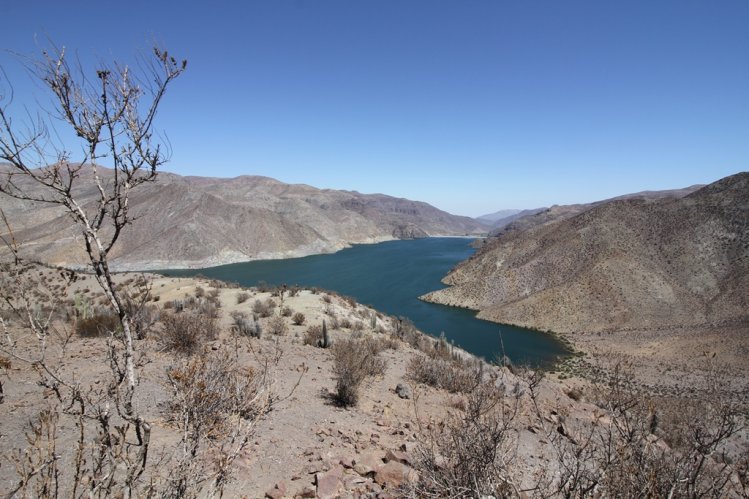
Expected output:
(200, 221)
(646, 260)
(497, 215)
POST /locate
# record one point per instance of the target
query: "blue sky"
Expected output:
(472, 106)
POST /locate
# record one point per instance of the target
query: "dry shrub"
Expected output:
(286, 312)
(298, 319)
(312, 335)
(353, 362)
(470, 453)
(388, 343)
(344, 323)
(215, 403)
(451, 376)
(102, 323)
(264, 309)
(242, 297)
(186, 333)
(327, 299)
(210, 388)
(277, 326)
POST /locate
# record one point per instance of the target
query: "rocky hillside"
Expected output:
(539, 216)
(197, 222)
(636, 263)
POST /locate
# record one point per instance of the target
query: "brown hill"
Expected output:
(199, 221)
(531, 218)
(637, 263)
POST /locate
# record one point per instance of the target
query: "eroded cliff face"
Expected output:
(197, 222)
(626, 264)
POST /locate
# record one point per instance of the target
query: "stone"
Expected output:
(329, 483)
(403, 391)
(367, 463)
(307, 492)
(398, 457)
(277, 492)
(394, 474)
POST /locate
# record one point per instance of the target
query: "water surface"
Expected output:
(390, 277)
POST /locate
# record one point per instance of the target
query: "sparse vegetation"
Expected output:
(353, 362)
(186, 333)
(277, 326)
(298, 319)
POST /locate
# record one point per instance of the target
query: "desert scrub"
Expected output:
(187, 332)
(312, 335)
(277, 326)
(100, 322)
(353, 362)
(242, 297)
(445, 374)
(298, 319)
(207, 390)
(286, 312)
(264, 308)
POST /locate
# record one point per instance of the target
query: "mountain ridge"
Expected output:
(629, 263)
(193, 222)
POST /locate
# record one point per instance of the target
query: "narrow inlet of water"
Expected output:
(390, 277)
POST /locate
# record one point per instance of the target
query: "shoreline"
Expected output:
(236, 257)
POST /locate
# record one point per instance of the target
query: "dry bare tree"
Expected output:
(112, 116)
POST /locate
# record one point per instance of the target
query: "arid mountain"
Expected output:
(540, 216)
(642, 262)
(490, 218)
(500, 223)
(198, 221)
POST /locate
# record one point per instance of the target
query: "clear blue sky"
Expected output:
(470, 105)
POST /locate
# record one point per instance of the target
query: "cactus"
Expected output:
(325, 342)
(83, 307)
(373, 320)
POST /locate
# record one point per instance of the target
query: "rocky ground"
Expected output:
(305, 445)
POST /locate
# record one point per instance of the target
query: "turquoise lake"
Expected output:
(390, 277)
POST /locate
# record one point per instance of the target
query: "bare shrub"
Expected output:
(286, 312)
(327, 299)
(242, 297)
(298, 319)
(469, 454)
(102, 322)
(444, 374)
(312, 335)
(353, 362)
(650, 447)
(186, 333)
(264, 309)
(277, 326)
(344, 323)
(215, 404)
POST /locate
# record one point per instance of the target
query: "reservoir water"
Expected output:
(390, 277)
